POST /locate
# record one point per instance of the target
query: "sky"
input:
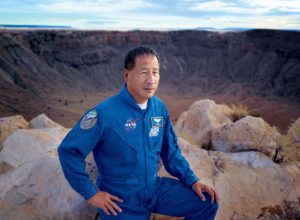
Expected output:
(153, 15)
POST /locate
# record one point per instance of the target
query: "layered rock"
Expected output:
(38, 67)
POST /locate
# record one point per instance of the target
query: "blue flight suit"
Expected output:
(127, 143)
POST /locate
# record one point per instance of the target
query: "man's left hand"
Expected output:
(199, 188)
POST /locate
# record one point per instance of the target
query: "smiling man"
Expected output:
(128, 133)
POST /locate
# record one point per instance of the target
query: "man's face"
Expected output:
(142, 81)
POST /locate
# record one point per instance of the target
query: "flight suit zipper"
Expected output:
(145, 144)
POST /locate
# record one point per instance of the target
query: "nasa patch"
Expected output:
(157, 121)
(130, 124)
(89, 120)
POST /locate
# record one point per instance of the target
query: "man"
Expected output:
(128, 133)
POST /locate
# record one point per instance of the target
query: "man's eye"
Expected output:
(144, 72)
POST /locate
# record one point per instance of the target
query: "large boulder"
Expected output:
(39, 190)
(247, 134)
(9, 124)
(32, 184)
(200, 119)
(24, 145)
(248, 182)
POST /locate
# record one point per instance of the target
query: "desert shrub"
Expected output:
(238, 112)
(297, 129)
(295, 126)
(291, 148)
(290, 151)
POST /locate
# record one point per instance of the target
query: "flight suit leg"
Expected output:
(133, 208)
(173, 198)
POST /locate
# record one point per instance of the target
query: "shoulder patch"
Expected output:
(89, 120)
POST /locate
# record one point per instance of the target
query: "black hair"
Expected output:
(129, 61)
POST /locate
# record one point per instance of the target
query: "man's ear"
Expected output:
(125, 74)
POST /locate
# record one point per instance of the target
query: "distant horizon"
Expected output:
(153, 14)
(58, 27)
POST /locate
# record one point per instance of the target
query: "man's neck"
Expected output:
(143, 106)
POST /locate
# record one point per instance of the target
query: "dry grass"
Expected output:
(297, 130)
(291, 148)
(295, 125)
(290, 151)
(238, 112)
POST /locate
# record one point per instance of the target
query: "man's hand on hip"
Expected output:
(199, 188)
(105, 201)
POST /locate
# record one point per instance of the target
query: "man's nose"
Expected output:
(150, 79)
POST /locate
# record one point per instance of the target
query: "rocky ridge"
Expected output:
(42, 70)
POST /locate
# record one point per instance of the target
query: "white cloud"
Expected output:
(140, 14)
(89, 6)
(274, 22)
(146, 21)
(174, 22)
(228, 7)
(249, 7)
(283, 5)
(214, 5)
(225, 20)
(293, 25)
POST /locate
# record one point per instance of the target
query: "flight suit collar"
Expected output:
(127, 97)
